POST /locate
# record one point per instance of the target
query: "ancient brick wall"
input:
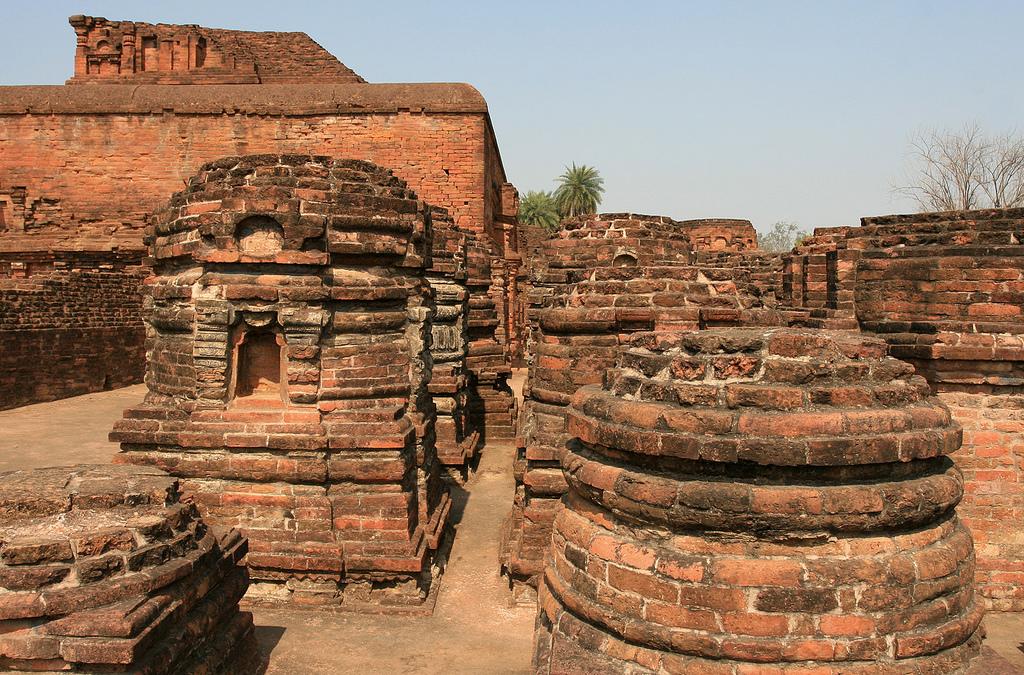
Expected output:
(764, 269)
(109, 156)
(720, 234)
(69, 324)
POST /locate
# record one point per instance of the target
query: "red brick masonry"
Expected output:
(289, 321)
(103, 569)
(746, 497)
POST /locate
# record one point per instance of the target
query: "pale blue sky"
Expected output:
(762, 110)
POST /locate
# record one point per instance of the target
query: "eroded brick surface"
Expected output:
(105, 569)
(289, 323)
(599, 280)
(945, 290)
(83, 167)
(746, 500)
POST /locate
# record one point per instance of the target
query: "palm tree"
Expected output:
(579, 191)
(538, 208)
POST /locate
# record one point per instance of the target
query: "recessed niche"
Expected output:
(624, 260)
(200, 52)
(259, 236)
(259, 367)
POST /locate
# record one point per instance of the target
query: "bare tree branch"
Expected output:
(966, 170)
(1004, 172)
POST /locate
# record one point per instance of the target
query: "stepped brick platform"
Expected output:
(289, 322)
(104, 569)
(752, 500)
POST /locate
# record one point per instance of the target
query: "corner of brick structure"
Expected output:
(105, 569)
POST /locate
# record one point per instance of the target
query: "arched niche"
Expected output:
(624, 259)
(259, 371)
(259, 236)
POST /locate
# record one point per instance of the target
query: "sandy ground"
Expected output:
(70, 431)
(473, 628)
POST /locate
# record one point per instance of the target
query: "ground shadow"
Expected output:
(267, 638)
(460, 497)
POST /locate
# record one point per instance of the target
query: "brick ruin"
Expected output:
(145, 53)
(83, 165)
(600, 280)
(104, 569)
(946, 291)
(327, 342)
(759, 499)
(70, 323)
(289, 331)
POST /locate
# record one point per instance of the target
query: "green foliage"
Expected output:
(579, 191)
(539, 208)
(782, 237)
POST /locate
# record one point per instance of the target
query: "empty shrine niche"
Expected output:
(200, 60)
(259, 369)
(259, 237)
(149, 53)
(625, 259)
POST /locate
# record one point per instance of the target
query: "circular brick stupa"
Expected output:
(759, 500)
(103, 569)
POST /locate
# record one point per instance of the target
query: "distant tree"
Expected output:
(966, 169)
(1004, 172)
(782, 237)
(539, 208)
(579, 191)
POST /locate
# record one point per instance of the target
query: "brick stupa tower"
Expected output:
(752, 500)
(288, 332)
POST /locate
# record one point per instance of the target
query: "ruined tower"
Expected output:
(289, 323)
